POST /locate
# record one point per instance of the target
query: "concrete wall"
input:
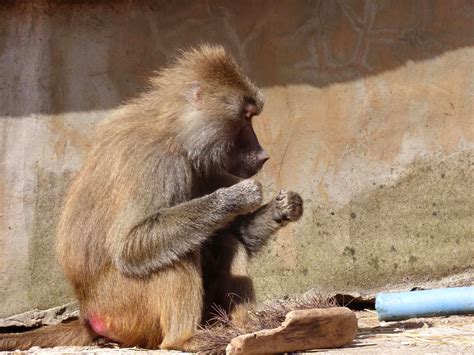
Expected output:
(369, 115)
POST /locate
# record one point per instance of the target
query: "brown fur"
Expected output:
(155, 229)
(71, 333)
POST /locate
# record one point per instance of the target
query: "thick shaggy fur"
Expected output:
(154, 229)
(70, 333)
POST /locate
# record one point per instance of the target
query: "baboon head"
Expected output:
(221, 102)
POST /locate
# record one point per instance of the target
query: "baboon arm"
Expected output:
(143, 246)
(255, 228)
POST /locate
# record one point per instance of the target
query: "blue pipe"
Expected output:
(427, 303)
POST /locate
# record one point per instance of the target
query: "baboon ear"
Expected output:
(194, 95)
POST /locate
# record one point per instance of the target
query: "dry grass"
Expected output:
(217, 334)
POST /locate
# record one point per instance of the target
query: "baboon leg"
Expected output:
(237, 286)
(230, 287)
(181, 308)
(238, 289)
(162, 311)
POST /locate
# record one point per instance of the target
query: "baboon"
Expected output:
(159, 223)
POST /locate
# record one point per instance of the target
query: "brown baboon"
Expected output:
(158, 224)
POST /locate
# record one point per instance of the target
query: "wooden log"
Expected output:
(301, 330)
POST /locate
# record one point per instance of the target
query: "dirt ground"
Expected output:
(453, 335)
(448, 335)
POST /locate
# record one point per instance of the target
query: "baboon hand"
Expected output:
(243, 197)
(288, 207)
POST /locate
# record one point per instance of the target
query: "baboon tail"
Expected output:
(63, 334)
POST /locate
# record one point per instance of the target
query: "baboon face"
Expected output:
(219, 133)
(246, 157)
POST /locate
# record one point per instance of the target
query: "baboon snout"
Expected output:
(250, 110)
